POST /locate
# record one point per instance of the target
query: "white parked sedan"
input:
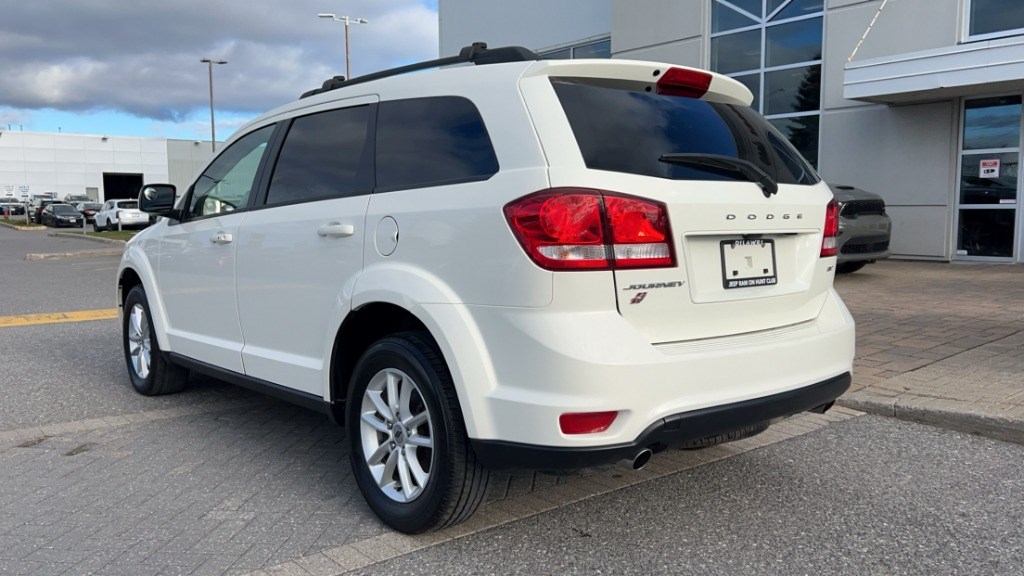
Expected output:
(125, 213)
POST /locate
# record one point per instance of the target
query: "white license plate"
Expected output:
(748, 262)
(73, 220)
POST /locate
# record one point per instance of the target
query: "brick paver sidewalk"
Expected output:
(940, 343)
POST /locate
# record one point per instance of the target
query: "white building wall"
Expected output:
(38, 162)
(534, 24)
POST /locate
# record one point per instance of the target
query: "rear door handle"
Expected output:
(221, 238)
(336, 230)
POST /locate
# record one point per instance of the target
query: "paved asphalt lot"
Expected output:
(218, 480)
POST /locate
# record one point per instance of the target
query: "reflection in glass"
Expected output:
(752, 6)
(990, 16)
(992, 123)
(792, 90)
(724, 18)
(802, 133)
(986, 233)
(753, 83)
(977, 189)
(602, 49)
(736, 52)
(796, 8)
(794, 42)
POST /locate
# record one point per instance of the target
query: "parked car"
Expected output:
(36, 213)
(473, 274)
(125, 212)
(89, 210)
(76, 199)
(864, 228)
(57, 214)
(12, 206)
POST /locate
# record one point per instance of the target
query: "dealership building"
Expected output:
(102, 167)
(924, 110)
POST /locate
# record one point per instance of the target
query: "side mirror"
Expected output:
(157, 199)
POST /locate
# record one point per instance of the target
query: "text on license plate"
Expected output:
(748, 262)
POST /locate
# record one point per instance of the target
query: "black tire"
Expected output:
(455, 483)
(849, 267)
(161, 376)
(745, 432)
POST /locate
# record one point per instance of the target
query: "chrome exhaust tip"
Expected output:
(639, 461)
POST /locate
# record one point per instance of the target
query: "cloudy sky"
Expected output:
(125, 67)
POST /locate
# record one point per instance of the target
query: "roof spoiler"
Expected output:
(478, 53)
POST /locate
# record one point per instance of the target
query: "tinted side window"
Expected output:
(227, 184)
(432, 141)
(325, 155)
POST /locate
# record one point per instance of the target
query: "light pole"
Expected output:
(213, 132)
(347, 21)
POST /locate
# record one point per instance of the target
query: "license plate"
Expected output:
(747, 263)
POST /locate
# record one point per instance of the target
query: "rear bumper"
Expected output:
(665, 433)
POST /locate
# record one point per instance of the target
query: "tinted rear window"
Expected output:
(432, 141)
(128, 205)
(627, 131)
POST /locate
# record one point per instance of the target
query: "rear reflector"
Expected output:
(829, 240)
(684, 82)
(586, 422)
(583, 229)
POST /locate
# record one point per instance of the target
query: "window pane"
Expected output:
(794, 42)
(227, 184)
(992, 123)
(558, 54)
(736, 52)
(986, 233)
(802, 133)
(753, 83)
(998, 183)
(724, 18)
(602, 49)
(752, 6)
(324, 156)
(792, 90)
(989, 16)
(432, 141)
(796, 8)
(621, 130)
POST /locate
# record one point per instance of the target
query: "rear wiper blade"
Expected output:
(726, 166)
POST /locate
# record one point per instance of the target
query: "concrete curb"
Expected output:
(16, 227)
(952, 414)
(85, 237)
(78, 254)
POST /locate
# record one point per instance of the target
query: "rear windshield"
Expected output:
(622, 130)
(128, 204)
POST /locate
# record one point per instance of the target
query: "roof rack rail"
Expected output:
(477, 53)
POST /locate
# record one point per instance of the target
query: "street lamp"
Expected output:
(213, 132)
(347, 21)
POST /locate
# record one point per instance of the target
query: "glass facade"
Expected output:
(599, 49)
(774, 48)
(993, 18)
(987, 195)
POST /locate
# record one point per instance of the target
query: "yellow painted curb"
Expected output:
(57, 317)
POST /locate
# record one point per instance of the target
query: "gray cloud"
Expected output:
(143, 57)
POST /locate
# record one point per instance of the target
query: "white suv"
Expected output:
(120, 214)
(519, 264)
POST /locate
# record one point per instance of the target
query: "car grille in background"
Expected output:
(855, 208)
(866, 246)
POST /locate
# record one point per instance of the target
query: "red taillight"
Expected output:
(582, 229)
(683, 82)
(586, 422)
(829, 242)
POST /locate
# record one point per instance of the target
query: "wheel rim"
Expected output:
(139, 341)
(396, 431)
